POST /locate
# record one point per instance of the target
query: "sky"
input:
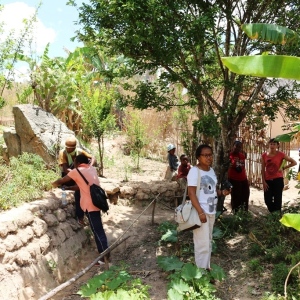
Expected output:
(55, 23)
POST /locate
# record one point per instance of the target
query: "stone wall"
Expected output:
(41, 242)
(38, 241)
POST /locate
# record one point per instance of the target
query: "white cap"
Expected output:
(170, 147)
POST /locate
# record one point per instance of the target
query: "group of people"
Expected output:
(71, 159)
(204, 200)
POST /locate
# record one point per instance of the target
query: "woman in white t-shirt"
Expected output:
(205, 202)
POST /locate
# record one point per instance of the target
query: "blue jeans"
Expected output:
(273, 196)
(98, 231)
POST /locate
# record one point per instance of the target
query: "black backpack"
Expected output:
(98, 195)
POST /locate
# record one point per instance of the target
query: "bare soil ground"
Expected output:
(141, 249)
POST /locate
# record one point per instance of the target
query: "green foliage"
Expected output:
(171, 263)
(97, 116)
(135, 129)
(188, 281)
(208, 125)
(170, 236)
(25, 179)
(255, 266)
(235, 223)
(115, 283)
(255, 250)
(279, 275)
(165, 226)
(185, 116)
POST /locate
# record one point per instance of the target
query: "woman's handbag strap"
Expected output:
(82, 176)
(198, 186)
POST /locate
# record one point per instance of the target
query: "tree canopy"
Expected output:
(182, 42)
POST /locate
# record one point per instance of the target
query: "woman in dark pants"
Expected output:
(238, 178)
(93, 213)
(272, 168)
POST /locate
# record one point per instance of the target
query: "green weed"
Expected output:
(187, 281)
(255, 266)
(116, 283)
(25, 179)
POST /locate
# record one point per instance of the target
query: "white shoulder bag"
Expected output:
(185, 214)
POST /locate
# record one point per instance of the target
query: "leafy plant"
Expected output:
(135, 129)
(165, 226)
(188, 281)
(97, 117)
(279, 275)
(255, 266)
(170, 236)
(52, 265)
(24, 179)
(116, 283)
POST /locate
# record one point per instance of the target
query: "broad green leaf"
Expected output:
(88, 290)
(170, 236)
(217, 272)
(270, 32)
(169, 263)
(287, 137)
(217, 233)
(264, 66)
(180, 286)
(116, 282)
(190, 272)
(174, 295)
(291, 220)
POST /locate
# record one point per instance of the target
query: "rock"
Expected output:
(44, 243)
(25, 234)
(12, 242)
(12, 141)
(36, 131)
(61, 215)
(39, 227)
(50, 219)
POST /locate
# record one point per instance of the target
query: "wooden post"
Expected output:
(153, 210)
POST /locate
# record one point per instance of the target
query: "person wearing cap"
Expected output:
(171, 172)
(66, 163)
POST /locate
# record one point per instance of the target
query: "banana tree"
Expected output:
(267, 65)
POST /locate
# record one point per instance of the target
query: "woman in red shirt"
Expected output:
(272, 175)
(238, 178)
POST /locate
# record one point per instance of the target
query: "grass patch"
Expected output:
(24, 180)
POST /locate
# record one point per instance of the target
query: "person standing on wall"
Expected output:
(238, 178)
(272, 167)
(66, 163)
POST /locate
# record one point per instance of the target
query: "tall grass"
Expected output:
(24, 180)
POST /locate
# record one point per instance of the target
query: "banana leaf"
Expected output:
(291, 220)
(277, 66)
(271, 33)
(286, 137)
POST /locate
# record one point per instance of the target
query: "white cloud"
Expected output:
(13, 16)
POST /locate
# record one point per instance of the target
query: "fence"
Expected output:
(254, 144)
